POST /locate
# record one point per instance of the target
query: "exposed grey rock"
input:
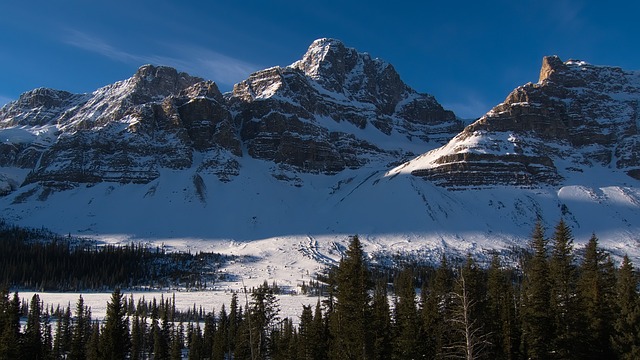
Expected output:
(579, 113)
(317, 115)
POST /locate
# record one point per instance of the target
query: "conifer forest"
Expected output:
(557, 302)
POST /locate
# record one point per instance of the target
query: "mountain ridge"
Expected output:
(295, 159)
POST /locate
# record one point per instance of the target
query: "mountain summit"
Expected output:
(297, 158)
(577, 117)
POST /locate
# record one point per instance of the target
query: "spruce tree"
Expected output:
(436, 308)
(33, 346)
(320, 334)
(381, 323)
(115, 342)
(351, 318)
(565, 301)
(597, 290)
(406, 340)
(502, 325)
(626, 336)
(10, 332)
(537, 323)
(306, 333)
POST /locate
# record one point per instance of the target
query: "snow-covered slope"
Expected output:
(296, 159)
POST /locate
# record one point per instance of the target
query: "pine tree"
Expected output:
(33, 346)
(115, 342)
(381, 323)
(626, 337)
(502, 325)
(81, 331)
(93, 351)
(234, 320)
(177, 342)
(264, 318)
(537, 324)
(63, 335)
(10, 331)
(565, 301)
(136, 338)
(597, 290)
(406, 340)
(350, 320)
(436, 307)
(320, 334)
(306, 333)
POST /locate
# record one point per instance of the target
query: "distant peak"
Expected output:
(550, 65)
(151, 71)
(326, 43)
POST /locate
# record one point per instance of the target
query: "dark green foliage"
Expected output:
(537, 321)
(626, 337)
(350, 322)
(436, 309)
(67, 263)
(502, 326)
(596, 288)
(114, 340)
(33, 344)
(469, 312)
(407, 334)
(381, 323)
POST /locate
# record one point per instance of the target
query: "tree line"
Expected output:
(554, 305)
(75, 264)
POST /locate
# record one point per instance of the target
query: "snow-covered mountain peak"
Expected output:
(578, 116)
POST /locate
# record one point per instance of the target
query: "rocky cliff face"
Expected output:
(577, 115)
(334, 109)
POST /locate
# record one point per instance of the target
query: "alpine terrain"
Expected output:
(295, 159)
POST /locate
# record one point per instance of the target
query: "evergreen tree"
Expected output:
(136, 338)
(406, 340)
(93, 351)
(81, 331)
(470, 340)
(350, 319)
(537, 324)
(306, 334)
(381, 323)
(234, 320)
(115, 342)
(565, 301)
(63, 335)
(264, 318)
(320, 334)
(502, 326)
(597, 291)
(33, 346)
(10, 331)
(436, 308)
(177, 342)
(626, 337)
(196, 344)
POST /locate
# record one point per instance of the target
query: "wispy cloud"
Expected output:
(469, 107)
(193, 59)
(4, 100)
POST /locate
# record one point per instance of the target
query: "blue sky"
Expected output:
(469, 54)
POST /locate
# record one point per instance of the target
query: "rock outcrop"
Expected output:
(578, 115)
(323, 114)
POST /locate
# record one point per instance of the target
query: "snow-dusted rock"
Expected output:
(578, 115)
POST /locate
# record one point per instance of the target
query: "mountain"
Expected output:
(295, 159)
(578, 116)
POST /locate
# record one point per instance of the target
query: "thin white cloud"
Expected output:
(4, 100)
(470, 108)
(193, 59)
